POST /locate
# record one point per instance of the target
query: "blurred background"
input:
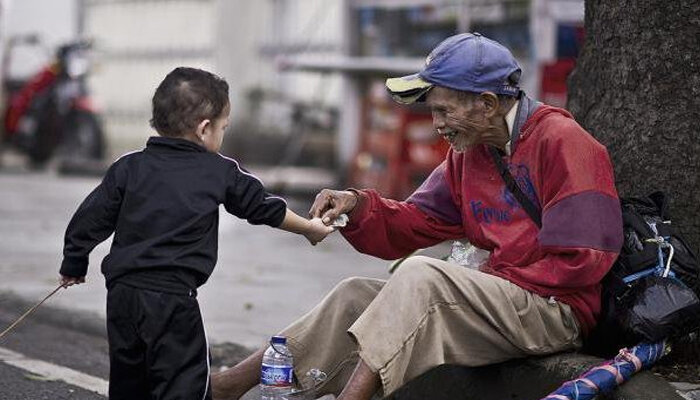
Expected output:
(308, 104)
(309, 110)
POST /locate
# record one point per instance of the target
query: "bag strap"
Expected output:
(532, 211)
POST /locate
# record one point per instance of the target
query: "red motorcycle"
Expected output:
(52, 114)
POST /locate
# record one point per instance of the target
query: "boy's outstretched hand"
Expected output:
(317, 231)
(67, 281)
(314, 230)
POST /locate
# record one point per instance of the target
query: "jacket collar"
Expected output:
(170, 143)
(526, 107)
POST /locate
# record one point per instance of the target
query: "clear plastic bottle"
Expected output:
(276, 371)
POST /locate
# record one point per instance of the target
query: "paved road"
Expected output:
(19, 384)
(54, 336)
(264, 279)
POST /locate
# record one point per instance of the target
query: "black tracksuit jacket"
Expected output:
(162, 203)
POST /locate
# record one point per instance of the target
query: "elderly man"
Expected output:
(550, 244)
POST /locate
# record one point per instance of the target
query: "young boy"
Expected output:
(162, 203)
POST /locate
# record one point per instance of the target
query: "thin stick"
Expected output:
(23, 316)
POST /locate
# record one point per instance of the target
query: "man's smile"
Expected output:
(448, 133)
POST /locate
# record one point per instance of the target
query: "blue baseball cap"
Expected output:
(468, 62)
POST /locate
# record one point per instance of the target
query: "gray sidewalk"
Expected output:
(264, 278)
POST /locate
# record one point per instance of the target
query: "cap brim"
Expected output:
(408, 89)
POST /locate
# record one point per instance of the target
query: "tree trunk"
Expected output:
(636, 88)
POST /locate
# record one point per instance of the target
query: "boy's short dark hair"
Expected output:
(185, 98)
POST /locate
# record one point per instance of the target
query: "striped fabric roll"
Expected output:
(612, 373)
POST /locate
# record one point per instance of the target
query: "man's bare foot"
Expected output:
(235, 382)
(363, 384)
(222, 389)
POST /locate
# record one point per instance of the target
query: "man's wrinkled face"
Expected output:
(457, 117)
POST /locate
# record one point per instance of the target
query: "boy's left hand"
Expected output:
(317, 231)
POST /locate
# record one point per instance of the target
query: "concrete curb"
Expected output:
(526, 379)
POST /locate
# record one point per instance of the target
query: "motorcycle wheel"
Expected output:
(83, 137)
(38, 133)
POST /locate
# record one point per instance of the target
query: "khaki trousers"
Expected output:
(429, 313)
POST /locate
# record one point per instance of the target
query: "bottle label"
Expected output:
(278, 375)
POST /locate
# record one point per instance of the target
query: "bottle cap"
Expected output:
(279, 340)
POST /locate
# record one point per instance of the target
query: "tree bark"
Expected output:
(636, 88)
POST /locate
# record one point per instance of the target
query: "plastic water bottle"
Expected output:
(277, 370)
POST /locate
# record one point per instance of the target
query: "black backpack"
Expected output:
(651, 292)
(640, 251)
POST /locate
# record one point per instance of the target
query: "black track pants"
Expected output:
(157, 346)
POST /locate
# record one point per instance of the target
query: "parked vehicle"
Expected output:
(52, 114)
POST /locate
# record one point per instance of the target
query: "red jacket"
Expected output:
(562, 168)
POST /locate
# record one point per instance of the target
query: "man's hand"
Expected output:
(329, 204)
(71, 280)
(317, 231)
